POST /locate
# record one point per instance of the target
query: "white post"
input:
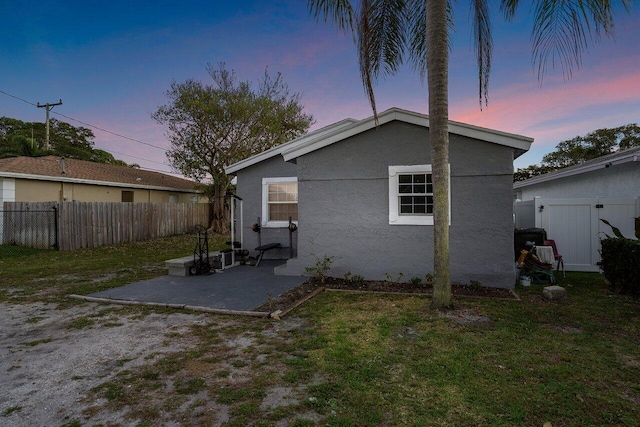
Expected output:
(233, 234)
(242, 226)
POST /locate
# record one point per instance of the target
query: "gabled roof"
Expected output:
(350, 127)
(609, 160)
(53, 168)
(279, 149)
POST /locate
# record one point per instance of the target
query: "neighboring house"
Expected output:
(570, 202)
(52, 178)
(361, 193)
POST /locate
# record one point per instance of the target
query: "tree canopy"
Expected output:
(579, 149)
(18, 138)
(210, 126)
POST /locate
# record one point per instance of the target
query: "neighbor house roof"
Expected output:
(350, 127)
(602, 162)
(54, 168)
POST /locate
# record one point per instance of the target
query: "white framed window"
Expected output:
(411, 195)
(279, 201)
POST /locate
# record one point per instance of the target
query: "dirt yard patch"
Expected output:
(86, 363)
(96, 364)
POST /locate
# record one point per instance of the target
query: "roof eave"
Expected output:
(278, 149)
(520, 144)
(577, 170)
(17, 175)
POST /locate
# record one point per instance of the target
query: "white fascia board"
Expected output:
(576, 170)
(92, 182)
(357, 127)
(278, 149)
(511, 140)
(517, 142)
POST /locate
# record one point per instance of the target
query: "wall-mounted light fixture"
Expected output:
(541, 208)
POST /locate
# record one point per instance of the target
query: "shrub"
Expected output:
(321, 268)
(621, 264)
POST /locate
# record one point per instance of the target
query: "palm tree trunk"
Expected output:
(438, 84)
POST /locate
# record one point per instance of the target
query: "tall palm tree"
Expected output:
(388, 32)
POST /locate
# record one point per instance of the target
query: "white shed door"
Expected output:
(576, 227)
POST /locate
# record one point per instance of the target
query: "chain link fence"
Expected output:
(22, 231)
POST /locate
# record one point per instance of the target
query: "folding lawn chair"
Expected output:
(539, 272)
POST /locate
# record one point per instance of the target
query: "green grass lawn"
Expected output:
(372, 359)
(44, 275)
(391, 361)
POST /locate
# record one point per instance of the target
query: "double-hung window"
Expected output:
(410, 195)
(279, 201)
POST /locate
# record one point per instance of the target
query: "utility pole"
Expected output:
(48, 107)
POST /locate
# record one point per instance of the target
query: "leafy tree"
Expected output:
(18, 138)
(210, 126)
(531, 171)
(387, 32)
(576, 150)
(595, 144)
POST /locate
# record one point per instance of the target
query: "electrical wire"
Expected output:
(18, 98)
(86, 124)
(109, 132)
(135, 157)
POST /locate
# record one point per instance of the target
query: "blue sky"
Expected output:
(111, 62)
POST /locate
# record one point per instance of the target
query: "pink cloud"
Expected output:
(557, 106)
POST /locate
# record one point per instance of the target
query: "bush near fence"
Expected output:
(91, 224)
(621, 264)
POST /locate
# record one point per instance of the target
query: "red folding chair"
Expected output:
(556, 255)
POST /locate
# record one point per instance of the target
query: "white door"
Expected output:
(576, 227)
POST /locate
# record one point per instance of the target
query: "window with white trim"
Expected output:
(279, 201)
(410, 195)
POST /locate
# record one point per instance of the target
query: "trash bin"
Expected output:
(524, 235)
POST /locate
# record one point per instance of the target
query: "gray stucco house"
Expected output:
(361, 193)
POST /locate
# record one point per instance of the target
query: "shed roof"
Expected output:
(54, 168)
(350, 127)
(602, 162)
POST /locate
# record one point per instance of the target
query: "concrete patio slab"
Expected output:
(241, 288)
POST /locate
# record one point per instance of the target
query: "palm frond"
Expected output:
(508, 8)
(380, 41)
(562, 31)
(340, 12)
(417, 32)
(483, 44)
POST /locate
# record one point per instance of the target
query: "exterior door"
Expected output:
(576, 227)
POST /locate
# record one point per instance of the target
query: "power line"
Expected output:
(108, 131)
(103, 130)
(135, 157)
(18, 98)
(86, 124)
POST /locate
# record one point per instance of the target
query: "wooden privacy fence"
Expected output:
(91, 224)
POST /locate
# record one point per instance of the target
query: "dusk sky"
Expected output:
(111, 62)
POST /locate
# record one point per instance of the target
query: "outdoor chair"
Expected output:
(556, 255)
(539, 271)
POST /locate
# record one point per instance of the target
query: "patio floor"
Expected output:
(241, 288)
